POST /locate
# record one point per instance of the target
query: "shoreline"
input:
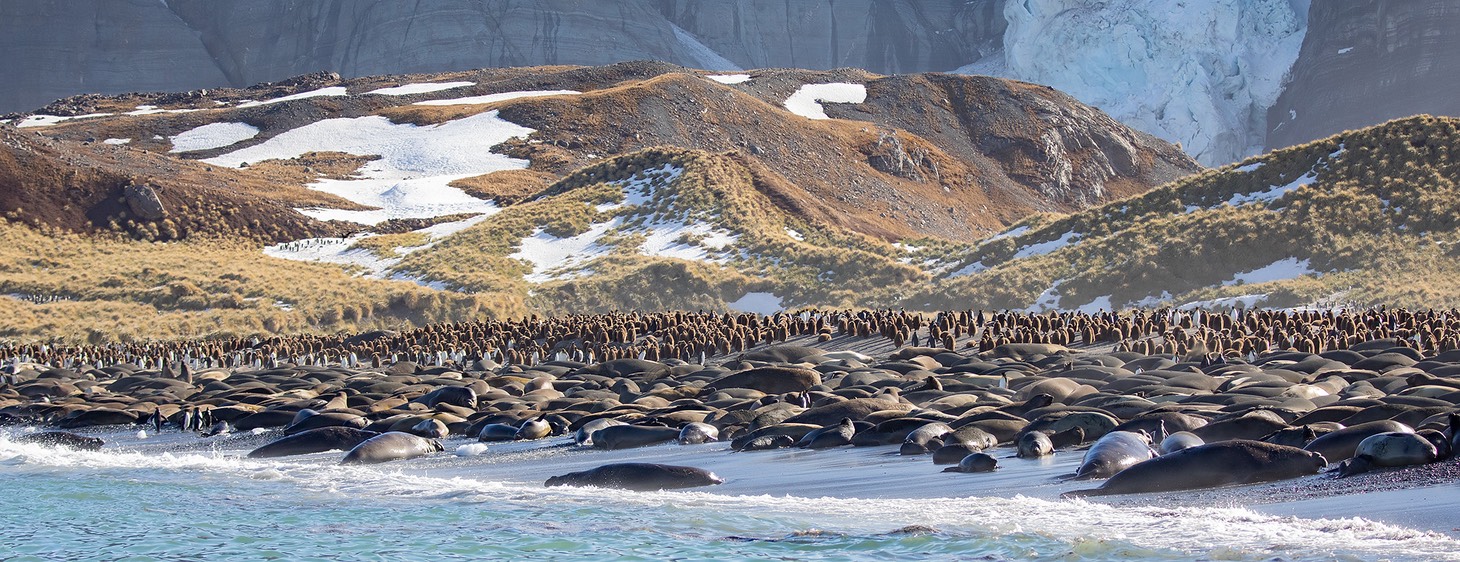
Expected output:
(863, 387)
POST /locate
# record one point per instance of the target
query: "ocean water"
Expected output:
(176, 496)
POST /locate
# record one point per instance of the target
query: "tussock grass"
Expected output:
(1371, 208)
(96, 289)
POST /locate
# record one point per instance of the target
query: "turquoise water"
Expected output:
(176, 497)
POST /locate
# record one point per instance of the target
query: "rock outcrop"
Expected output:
(1368, 61)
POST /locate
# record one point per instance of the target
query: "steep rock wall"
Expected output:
(1368, 61)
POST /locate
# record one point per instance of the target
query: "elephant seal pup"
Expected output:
(1113, 453)
(1388, 450)
(1340, 445)
(617, 437)
(1236, 461)
(391, 446)
(1035, 444)
(62, 439)
(313, 441)
(1179, 441)
(638, 476)
(694, 433)
(975, 462)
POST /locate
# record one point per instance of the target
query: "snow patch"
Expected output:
(1047, 247)
(212, 135)
(1271, 194)
(416, 165)
(1012, 233)
(1286, 268)
(48, 120)
(807, 100)
(153, 110)
(1048, 300)
(1097, 305)
(342, 251)
(1345, 50)
(117, 141)
(1152, 301)
(322, 92)
(554, 258)
(551, 255)
(757, 303)
(425, 88)
(729, 79)
(1242, 301)
(970, 269)
(494, 98)
(797, 236)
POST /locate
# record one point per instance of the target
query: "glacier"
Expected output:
(1201, 73)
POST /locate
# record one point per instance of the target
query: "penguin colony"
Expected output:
(1362, 389)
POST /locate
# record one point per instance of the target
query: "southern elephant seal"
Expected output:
(62, 439)
(1340, 445)
(638, 476)
(629, 436)
(768, 442)
(1388, 450)
(975, 462)
(313, 441)
(694, 433)
(391, 446)
(584, 435)
(1237, 461)
(1113, 453)
(1033, 445)
(1179, 441)
(829, 436)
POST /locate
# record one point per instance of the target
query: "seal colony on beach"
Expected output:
(1197, 406)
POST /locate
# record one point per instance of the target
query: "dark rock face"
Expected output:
(887, 37)
(58, 49)
(1368, 61)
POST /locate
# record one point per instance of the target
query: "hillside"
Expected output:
(1363, 218)
(630, 186)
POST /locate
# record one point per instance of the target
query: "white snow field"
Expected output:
(1283, 269)
(212, 135)
(422, 88)
(416, 164)
(410, 179)
(807, 100)
(730, 79)
(759, 303)
(1203, 74)
(322, 92)
(494, 98)
(48, 120)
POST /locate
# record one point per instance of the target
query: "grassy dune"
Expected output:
(1373, 212)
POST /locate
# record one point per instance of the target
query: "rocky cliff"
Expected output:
(57, 49)
(1367, 61)
(1225, 78)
